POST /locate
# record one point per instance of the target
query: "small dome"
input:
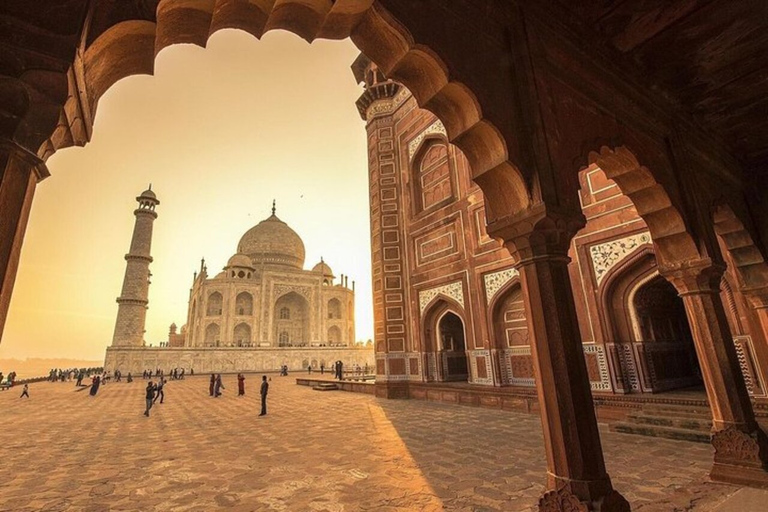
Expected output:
(324, 268)
(273, 242)
(240, 260)
(149, 194)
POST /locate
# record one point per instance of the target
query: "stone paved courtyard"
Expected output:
(63, 450)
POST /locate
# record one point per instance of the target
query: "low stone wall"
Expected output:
(232, 359)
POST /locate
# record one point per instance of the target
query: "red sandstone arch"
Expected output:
(429, 322)
(130, 47)
(748, 260)
(674, 243)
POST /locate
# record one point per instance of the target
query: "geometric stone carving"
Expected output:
(473, 357)
(282, 289)
(598, 352)
(746, 356)
(495, 281)
(436, 127)
(453, 290)
(605, 256)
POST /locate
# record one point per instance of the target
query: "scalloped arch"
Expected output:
(130, 47)
(673, 241)
(748, 260)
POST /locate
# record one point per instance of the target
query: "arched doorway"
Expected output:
(650, 330)
(510, 338)
(242, 335)
(444, 343)
(291, 322)
(453, 349)
(334, 335)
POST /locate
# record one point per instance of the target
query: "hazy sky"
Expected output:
(219, 132)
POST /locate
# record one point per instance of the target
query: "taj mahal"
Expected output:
(261, 312)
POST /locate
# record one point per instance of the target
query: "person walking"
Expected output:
(218, 387)
(160, 394)
(264, 391)
(240, 385)
(151, 388)
(95, 385)
(212, 385)
(25, 391)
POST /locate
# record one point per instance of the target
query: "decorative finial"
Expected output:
(150, 186)
(321, 259)
(273, 207)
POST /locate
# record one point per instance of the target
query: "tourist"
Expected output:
(192, 372)
(309, 369)
(129, 378)
(95, 383)
(80, 377)
(322, 368)
(181, 374)
(212, 384)
(240, 384)
(160, 393)
(25, 391)
(264, 391)
(218, 387)
(151, 388)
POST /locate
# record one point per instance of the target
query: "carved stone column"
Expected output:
(576, 477)
(741, 447)
(20, 172)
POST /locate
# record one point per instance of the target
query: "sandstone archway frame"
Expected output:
(748, 260)
(673, 241)
(130, 47)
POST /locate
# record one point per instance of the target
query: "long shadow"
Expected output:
(492, 459)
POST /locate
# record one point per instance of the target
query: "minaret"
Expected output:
(132, 309)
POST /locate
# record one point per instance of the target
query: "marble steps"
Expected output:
(687, 422)
(325, 386)
(678, 434)
(680, 422)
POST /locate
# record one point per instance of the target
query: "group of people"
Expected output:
(62, 375)
(175, 374)
(215, 386)
(9, 381)
(338, 370)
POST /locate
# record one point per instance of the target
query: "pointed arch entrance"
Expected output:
(444, 341)
(647, 324)
(510, 337)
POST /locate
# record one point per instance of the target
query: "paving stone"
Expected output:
(319, 452)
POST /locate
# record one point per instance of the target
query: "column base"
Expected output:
(740, 457)
(392, 390)
(562, 500)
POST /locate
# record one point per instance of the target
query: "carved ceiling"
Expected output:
(707, 56)
(710, 57)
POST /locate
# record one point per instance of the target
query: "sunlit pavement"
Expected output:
(314, 451)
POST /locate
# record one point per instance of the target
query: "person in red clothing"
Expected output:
(240, 384)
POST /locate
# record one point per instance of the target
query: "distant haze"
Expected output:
(219, 132)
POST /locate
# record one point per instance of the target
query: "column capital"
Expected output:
(695, 277)
(538, 232)
(19, 152)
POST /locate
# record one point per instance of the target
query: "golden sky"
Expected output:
(219, 132)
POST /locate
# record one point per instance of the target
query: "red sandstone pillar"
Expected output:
(19, 173)
(741, 447)
(576, 479)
